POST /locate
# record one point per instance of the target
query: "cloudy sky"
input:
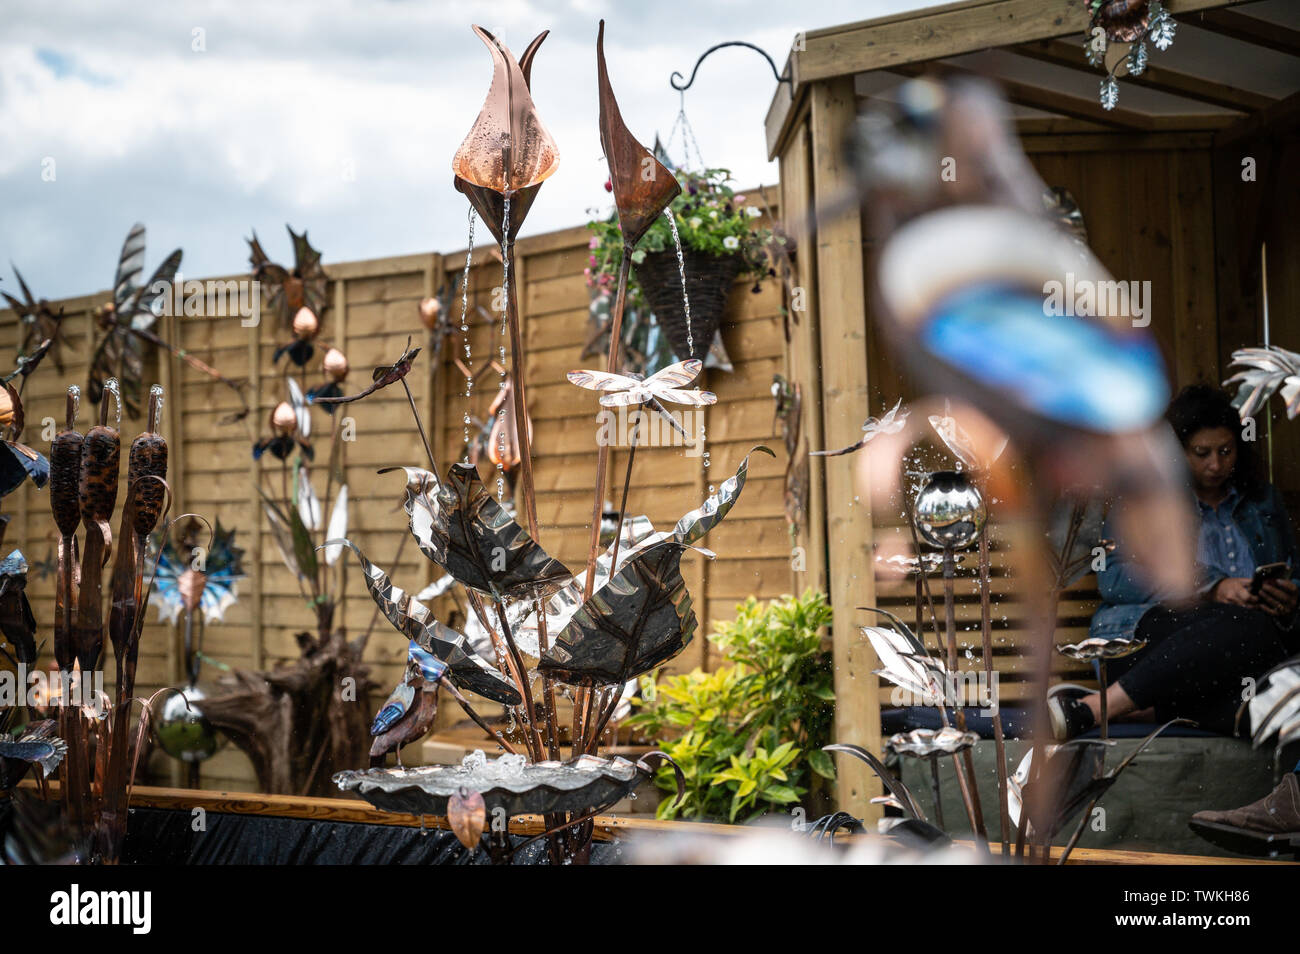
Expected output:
(207, 120)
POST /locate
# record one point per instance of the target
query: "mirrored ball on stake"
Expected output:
(949, 510)
(182, 730)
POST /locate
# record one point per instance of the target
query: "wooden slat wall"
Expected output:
(373, 311)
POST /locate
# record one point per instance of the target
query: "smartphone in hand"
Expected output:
(1266, 572)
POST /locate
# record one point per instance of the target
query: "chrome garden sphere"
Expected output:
(183, 731)
(949, 510)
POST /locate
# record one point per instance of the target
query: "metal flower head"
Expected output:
(508, 148)
(490, 204)
(956, 439)
(905, 662)
(895, 420)
(642, 186)
(626, 390)
(1265, 372)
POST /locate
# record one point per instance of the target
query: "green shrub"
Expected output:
(748, 736)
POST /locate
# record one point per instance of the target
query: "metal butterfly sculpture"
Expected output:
(127, 323)
(40, 320)
(895, 420)
(291, 289)
(631, 390)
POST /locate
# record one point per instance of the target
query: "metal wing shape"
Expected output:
(415, 621)
(130, 266)
(1266, 371)
(640, 620)
(642, 186)
(508, 148)
(471, 536)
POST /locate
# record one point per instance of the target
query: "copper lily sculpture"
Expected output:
(528, 615)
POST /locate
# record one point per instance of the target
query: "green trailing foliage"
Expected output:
(749, 735)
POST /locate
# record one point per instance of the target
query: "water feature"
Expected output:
(681, 270)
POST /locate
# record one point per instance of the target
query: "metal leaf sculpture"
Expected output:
(416, 621)
(490, 204)
(893, 784)
(18, 462)
(638, 534)
(303, 286)
(508, 148)
(1075, 532)
(465, 531)
(639, 620)
(1079, 780)
(642, 186)
(128, 320)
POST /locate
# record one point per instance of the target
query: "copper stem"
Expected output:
(1004, 818)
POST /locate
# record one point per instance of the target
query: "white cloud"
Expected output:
(264, 126)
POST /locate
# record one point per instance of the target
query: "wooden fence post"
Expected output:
(842, 315)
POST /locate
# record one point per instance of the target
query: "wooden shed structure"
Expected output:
(1182, 184)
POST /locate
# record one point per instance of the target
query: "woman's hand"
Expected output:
(1278, 597)
(1234, 589)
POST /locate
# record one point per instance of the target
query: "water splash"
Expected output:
(464, 326)
(681, 270)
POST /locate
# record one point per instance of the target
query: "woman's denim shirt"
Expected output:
(1125, 595)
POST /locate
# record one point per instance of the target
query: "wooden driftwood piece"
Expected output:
(301, 722)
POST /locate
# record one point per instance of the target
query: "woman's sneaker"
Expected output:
(1070, 715)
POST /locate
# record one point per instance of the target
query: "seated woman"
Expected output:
(1199, 658)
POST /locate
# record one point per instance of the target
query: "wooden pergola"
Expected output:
(1162, 183)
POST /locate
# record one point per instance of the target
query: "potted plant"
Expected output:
(720, 240)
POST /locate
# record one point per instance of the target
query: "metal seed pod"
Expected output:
(101, 455)
(148, 458)
(65, 470)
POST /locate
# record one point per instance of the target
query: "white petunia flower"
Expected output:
(731, 242)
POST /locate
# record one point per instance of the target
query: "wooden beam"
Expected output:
(1248, 29)
(841, 311)
(930, 34)
(803, 356)
(1277, 121)
(949, 31)
(1076, 107)
(1071, 56)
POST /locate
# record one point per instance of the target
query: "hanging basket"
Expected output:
(708, 284)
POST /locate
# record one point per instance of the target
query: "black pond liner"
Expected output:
(165, 836)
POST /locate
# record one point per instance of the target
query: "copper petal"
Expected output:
(642, 186)
(467, 815)
(508, 148)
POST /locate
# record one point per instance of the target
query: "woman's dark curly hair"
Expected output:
(1200, 406)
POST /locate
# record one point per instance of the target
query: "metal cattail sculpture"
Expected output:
(65, 503)
(101, 453)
